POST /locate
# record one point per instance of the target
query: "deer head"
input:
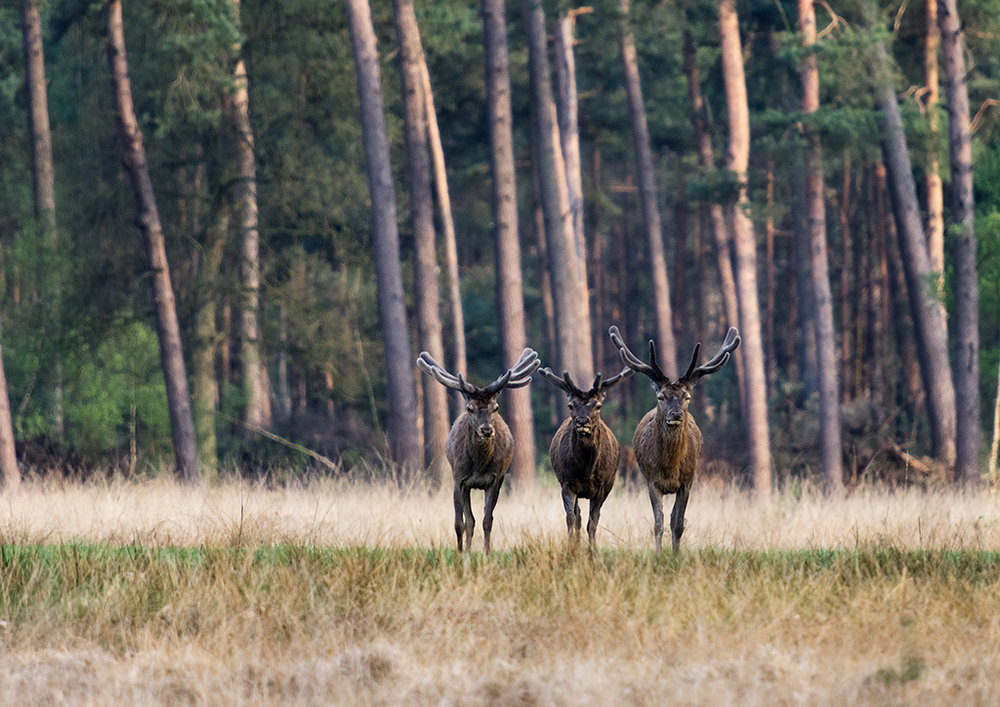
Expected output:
(673, 397)
(481, 403)
(585, 406)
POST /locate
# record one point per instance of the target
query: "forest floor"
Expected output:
(150, 593)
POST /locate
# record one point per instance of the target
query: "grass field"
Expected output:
(333, 593)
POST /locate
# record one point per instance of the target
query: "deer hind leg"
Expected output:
(572, 506)
(465, 522)
(492, 494)
(459, 515)
(656, 501)
(677, 515)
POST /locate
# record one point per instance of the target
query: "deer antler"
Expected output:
(427, 364)
(730, 344)
(519, 374)
(652, 369)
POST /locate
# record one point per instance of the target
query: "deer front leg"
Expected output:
(595, 517)
(656, 500)
(571, 505)
(492, 494)
(459, 513)
(677, 515)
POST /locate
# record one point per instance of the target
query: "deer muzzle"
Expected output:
(485, 431)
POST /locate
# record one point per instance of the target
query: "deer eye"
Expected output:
(687, 396)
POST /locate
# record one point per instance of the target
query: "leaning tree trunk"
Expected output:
(758, 432)
(829, 395)
(723, 252)
(650, 203)
(927, 315)
(510, 302)
(404, 436)
(964, 248)
(256, 384)
(447, 232)
(168, 330)
(571, 299)
(422, 216)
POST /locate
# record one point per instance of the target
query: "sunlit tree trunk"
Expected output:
(758, 433)
(435, 397)
(572, 305)
(706, 156)
(403, 433)
(10, 473)
(667, 346)
(829, 395)
(927, 315)
(966, 283)
(932, 180)
(509, 287)
(447, 233)
(256, 384)
(168, 330)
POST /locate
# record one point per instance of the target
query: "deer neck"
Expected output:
(673, 438)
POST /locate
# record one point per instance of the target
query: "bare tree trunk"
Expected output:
(758, 432)
(422, 215)
(171, 350)
(572, 303)
(707, 158)
(927, 315)
(43, 171)
(404, 436)
(569, 131)
(10, 473)
(509, 286)
(829, 395)
(256, 384)
(964, 248)
(991, 473)
(932, 181)
(666, 343)
(447, 232)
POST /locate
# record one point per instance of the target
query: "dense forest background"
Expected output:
(80, 348)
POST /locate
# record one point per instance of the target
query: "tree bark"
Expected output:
(572, 303)
(758, 432)
(666, 343)
(932, 181)
(927, 316)
(509, 286)
(256, 384)
(10, 473)
(829, 395)
(411, 69)
(966, 284)
(447, 232)
(168, 330)
(403, 433)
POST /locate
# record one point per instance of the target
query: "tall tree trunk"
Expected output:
(422, 216)
(706, 156)
(447, 232)
(509, 288)
(43, 171)
(569, 131)
(10, 474)
(645, 172)
(758, 432)
(927, 315)
(829, 395)
(256, 385)
(204, 381)
(964, 249)
(571, 301)
(404, 437)
(168, 330)
(932, 181)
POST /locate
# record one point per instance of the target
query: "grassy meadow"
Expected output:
(149, 593)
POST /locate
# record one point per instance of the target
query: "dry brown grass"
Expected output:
(350, 594)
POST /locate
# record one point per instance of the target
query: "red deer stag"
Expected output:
(667, 440)
(584, 450)
(480, 446)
